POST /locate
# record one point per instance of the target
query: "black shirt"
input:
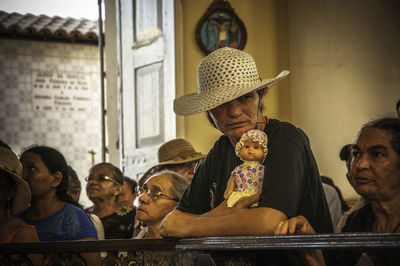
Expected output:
(291, 183)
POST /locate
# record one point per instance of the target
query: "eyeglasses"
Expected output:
(100, 178)
(154, 195)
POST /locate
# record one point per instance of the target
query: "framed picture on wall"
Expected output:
(220, 27)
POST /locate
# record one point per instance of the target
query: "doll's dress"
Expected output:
(248, 178)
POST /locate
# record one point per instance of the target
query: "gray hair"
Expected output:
(179, 183)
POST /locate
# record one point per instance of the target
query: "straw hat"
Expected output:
(223, 76)
(10, 164)
(176, 151)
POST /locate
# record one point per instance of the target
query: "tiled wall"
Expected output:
(34, 110)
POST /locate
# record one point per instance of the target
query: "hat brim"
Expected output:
(195, 103)
(22, 197)
(158, 166)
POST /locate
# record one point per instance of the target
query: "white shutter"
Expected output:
(147, 80)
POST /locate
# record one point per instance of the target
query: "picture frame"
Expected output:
(220, 27)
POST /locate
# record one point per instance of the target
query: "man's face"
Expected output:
(375, 166)
(237, 116)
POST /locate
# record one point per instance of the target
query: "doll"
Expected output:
(246, 179)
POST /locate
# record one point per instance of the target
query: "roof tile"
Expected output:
(45, 27)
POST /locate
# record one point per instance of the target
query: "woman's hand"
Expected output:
(300, 225)
(223, 208)
(182, 224)
(176, 224)
(295, 225)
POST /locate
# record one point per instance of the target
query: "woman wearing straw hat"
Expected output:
(230, 92)
(14, 198)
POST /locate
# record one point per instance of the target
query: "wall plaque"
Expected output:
(61, 91)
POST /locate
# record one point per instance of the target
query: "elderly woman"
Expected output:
(375, 174)
(230, 92)
(158, 197)
(104, 185)
(53, 212)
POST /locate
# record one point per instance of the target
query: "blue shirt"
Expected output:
(70, 223)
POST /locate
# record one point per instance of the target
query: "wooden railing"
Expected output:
(190, 251)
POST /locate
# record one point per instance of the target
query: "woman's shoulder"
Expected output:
(275, 125)
(276, 129)
(222, 143)
(22, 232)
(27, 233)
(360, 219)
(71, 211)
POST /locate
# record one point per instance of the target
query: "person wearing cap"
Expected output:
(15, 197)
(177, 155)
(104, 185)
(56, 216)
(230, 92)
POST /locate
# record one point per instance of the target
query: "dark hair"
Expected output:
(4, 145)
(329, 181)
(345, 152)
(345, 155)
(391, 125)
(397, 108)
(261, 93)
(116, 173)
(55, 162)
(131, 183)
(73, 180)
(11, 185)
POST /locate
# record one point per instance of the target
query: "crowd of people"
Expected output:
(185, 193)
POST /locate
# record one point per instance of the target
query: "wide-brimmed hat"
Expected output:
(10, 164)
(223, 76)
(176, 151)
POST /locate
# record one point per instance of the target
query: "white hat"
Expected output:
(10, 164)
(223, 76)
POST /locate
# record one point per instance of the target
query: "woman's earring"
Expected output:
(8, 207)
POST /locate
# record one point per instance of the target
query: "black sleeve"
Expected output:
(283, 176)
(196, 198)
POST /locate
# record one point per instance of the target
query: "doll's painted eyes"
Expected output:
(255, 146)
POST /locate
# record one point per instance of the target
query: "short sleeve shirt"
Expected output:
(70, 223)
(291, 180)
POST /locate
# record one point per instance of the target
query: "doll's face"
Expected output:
(252, 151)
